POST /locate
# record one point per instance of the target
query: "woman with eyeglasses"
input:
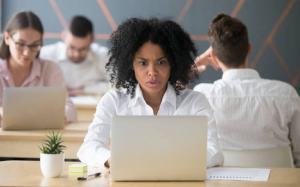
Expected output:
(20, 65)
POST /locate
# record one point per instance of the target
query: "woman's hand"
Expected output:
(107, 163)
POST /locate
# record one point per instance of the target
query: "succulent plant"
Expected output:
(53, 144)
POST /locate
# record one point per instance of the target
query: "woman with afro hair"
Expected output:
(151, 62)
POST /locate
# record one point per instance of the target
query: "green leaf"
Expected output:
(52, 145)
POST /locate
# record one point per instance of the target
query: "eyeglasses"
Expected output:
(22, 46)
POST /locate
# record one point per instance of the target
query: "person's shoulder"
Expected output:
(119, 94)
(51, 48)
(2, 64)
(194, 94)
(116, 97)
(191, 95)
(203, 87)
(48, 65)
(279, 88)
(194, 99)
(99, 49)
(52, 51)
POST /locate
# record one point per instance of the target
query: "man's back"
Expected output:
(254, 113)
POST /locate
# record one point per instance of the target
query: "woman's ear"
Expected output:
(6, 37)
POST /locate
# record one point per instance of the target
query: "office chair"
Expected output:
(273, 157)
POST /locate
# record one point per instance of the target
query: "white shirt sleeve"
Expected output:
(214, 152)
(94, 149)
(294, 134)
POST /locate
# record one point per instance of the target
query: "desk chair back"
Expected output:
(273, 157)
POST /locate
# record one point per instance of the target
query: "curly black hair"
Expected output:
(133, 33)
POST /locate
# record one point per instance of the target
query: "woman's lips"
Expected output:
(153, 83)
(26, 59)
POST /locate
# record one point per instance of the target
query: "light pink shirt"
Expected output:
(43, 73)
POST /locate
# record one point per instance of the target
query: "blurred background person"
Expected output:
(20, 65)
(81, 60)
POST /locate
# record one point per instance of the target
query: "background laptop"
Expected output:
(33, 108)
(158, 148)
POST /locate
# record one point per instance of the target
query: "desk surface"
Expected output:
(87, 105)
(71, 132)
(25, 143)
(27, 173)
(86, 111)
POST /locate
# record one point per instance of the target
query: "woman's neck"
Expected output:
(19, 73)
(15, 68)
(154, 99)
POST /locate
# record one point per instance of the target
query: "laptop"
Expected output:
(33, 108)
(158, 148)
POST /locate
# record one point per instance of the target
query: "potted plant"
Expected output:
(52, 156)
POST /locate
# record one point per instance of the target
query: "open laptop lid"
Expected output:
(158, 148)
(33, 108)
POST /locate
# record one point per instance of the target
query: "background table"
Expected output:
(24, 144)
(27, 173)
(86, 111)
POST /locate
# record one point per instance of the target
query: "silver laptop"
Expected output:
(158, 148)
(33, 108)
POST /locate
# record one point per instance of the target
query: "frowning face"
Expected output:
(151, 68)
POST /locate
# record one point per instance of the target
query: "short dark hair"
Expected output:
(80, 26)
(133, 33)
(21, 20)
(229, 40)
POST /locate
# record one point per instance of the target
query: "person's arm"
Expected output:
(94, 148)
(55, 77)
(294, 134)
(1, 112)
(204, 60)
(214, 152)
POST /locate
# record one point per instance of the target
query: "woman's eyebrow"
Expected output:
(26, 42)
(161, 58)
(147, 59)
(142, 58)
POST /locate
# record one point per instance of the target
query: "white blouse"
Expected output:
(116, 102)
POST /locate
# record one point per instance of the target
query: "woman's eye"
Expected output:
(20, 44)
(142, 63)
(161, 62)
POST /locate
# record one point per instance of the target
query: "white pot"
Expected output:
(52, 165)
